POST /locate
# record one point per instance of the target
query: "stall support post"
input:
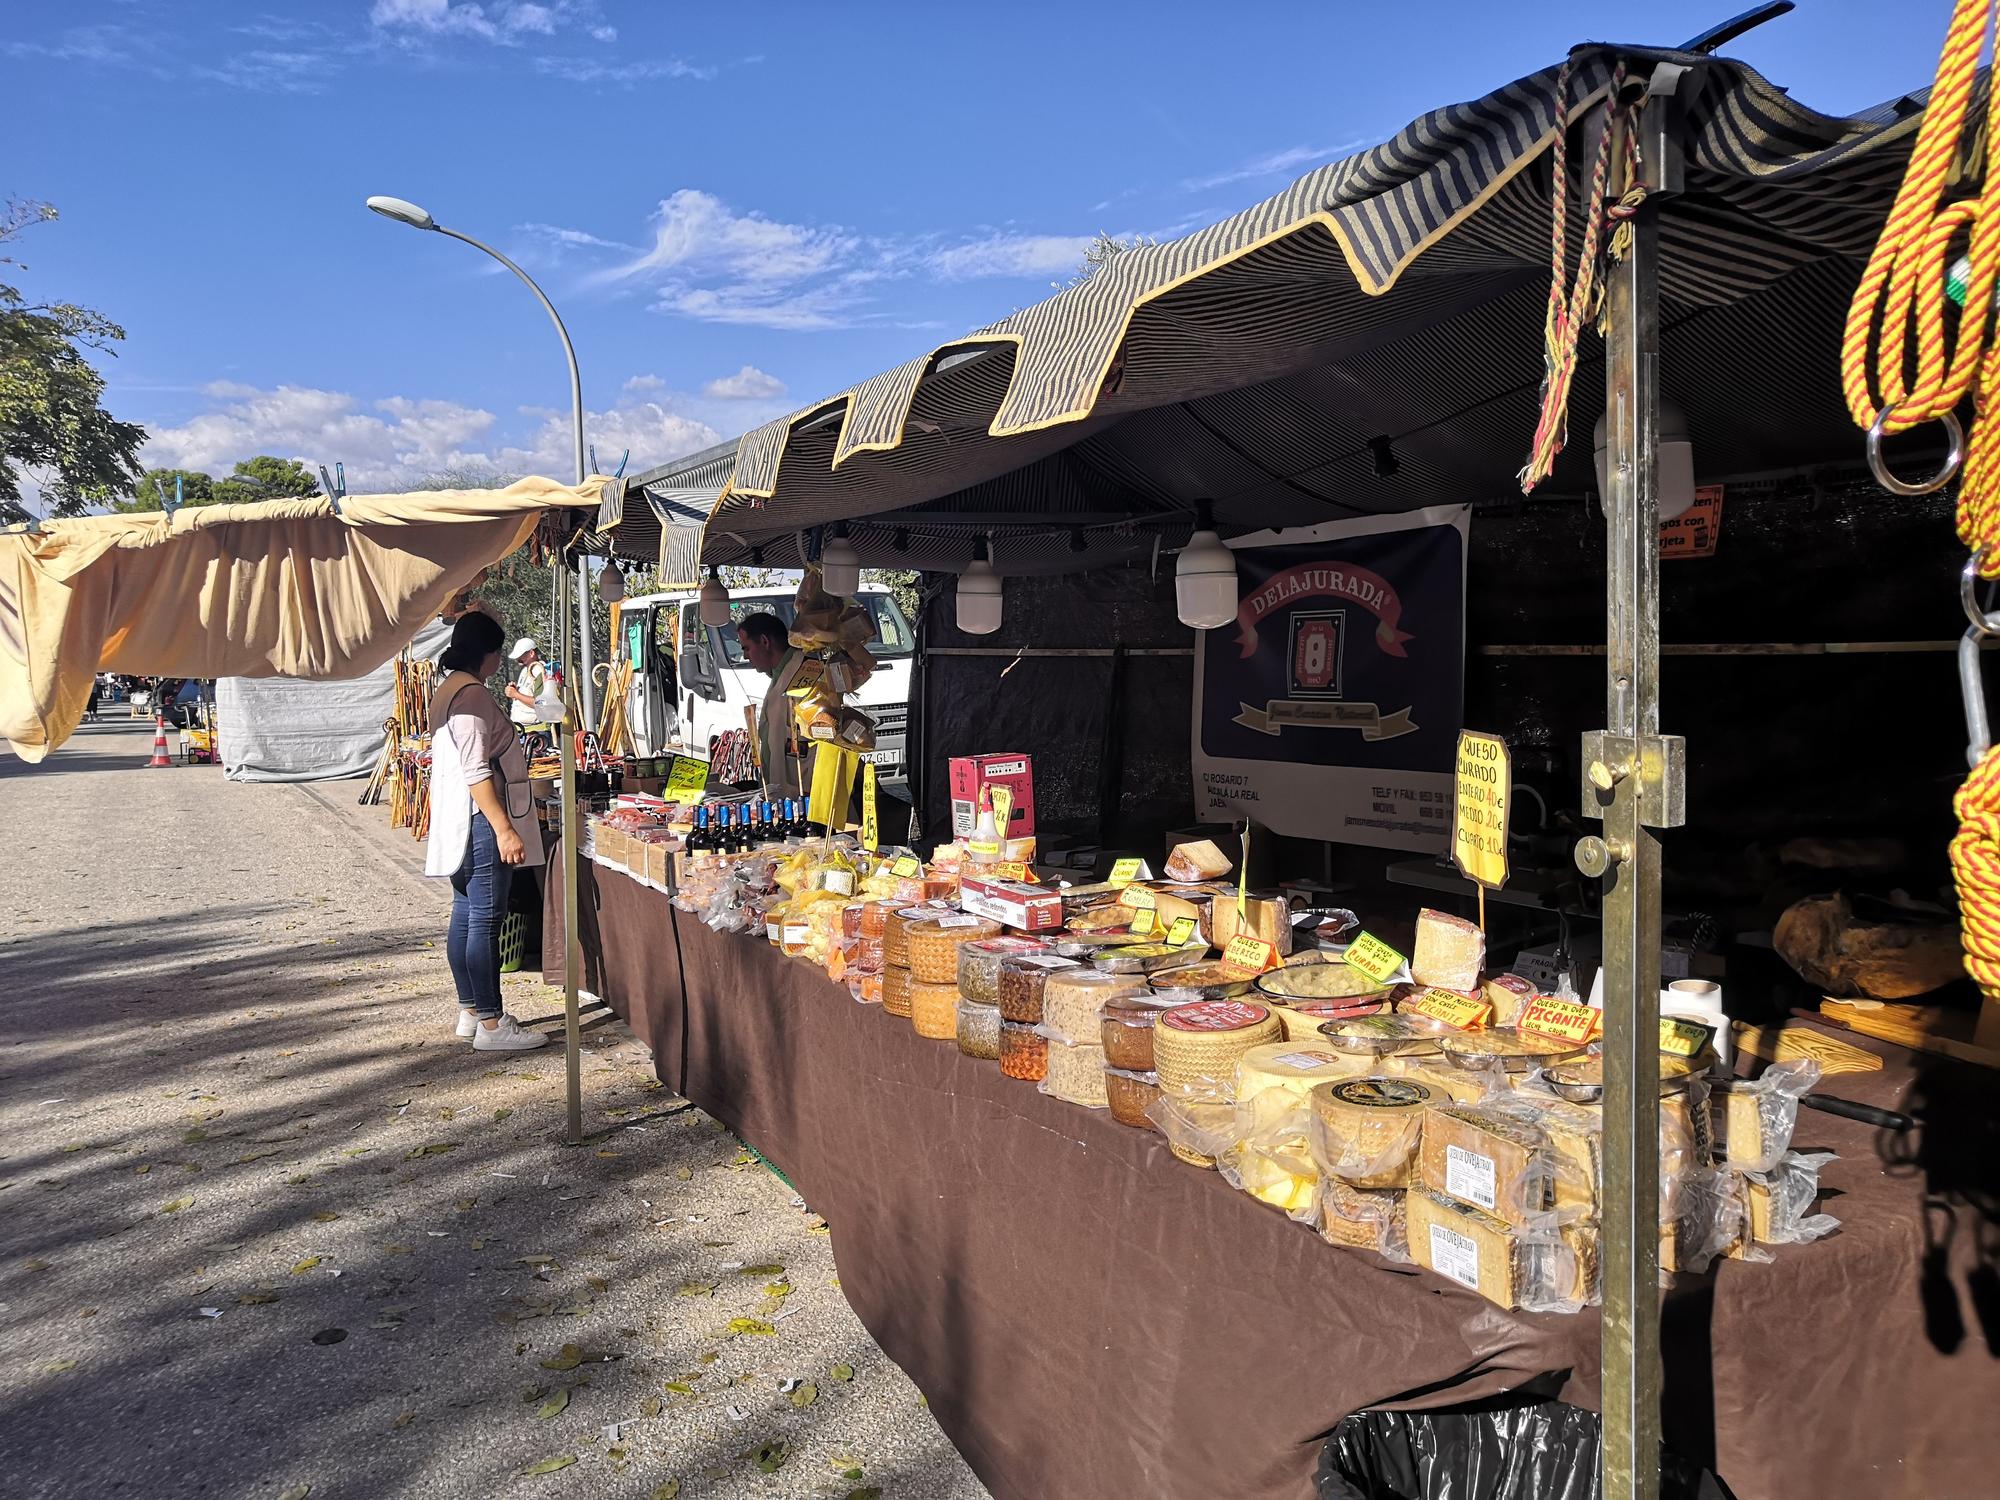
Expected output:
(572, 844)
(1632, 781)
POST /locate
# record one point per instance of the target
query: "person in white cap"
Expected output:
(528, 686)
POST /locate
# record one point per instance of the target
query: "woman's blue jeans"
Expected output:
(478, 907)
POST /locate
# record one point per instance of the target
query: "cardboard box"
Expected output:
(1029, 908)
(971, 775)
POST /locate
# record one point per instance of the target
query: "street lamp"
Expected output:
(405, 212)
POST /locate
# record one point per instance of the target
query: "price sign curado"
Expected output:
(1479, 809)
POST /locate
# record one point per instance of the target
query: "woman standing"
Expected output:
(482, 825)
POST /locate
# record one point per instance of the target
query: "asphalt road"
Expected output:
(268, 1230)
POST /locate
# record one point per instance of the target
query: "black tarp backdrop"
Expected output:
(1779, 746)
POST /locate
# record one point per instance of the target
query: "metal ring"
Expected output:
(1937, 481)
(1968, 580)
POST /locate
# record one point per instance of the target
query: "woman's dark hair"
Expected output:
(474, 638)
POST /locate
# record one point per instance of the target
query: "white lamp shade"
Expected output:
(1676, 461)
(977, 601)
(714, 602)
(611, 583)
(840, 567)
(1205, 582)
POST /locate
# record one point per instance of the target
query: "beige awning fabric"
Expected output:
(290, 588)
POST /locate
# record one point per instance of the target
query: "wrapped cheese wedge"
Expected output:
(1450, 951)
(1198, 859)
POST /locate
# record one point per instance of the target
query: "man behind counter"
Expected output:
(766, 647)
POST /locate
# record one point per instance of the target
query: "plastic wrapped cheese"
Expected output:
(1073, 1000)
(978, 1029)
(1075, 1074)
(1365, 1130)
(935, 940)
(1364, 1218)
(1549, 1268)
(934, 1010)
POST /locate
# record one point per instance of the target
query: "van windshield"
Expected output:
(893, 635)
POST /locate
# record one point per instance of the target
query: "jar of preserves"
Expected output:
(1021, 983)
(1024, 1052)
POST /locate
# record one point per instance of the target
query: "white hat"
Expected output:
(521, 648)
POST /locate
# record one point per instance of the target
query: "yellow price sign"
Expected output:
(1142, 922)
(1374, 957)
(1003, 806)
(1684, 1038)
(1564, 1020)
(1138, 898)
(1125, 871)
(1251, 954)
(1012, 869)
(1181, 933)
(871, 830)
(687, 780)
(1450, 1007)
(909, 867)
(1479, 808)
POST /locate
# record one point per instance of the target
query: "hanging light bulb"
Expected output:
(839, 563)
(714, 600)
(977, 598)
(1676, 448)
(1205, 576)
(611, 583)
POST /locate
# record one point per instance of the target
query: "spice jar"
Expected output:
(978, 1028)
(979, 965)
(1021, 983)
(1024, 1052)
(1129, 1094)
(1126, 1028)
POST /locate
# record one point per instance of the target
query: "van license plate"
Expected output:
(881, 757)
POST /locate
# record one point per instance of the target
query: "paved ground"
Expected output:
(267, 1230)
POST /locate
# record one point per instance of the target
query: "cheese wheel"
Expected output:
(1075, 1074)
(1196, 1048)
(896, 985)
(979, 964)
(935, 941)
(1293, 1068)
(1449, 953)
(1302, 1021)
(1130, 1095)
(1366, 1129)
(1072, 1000)
(934, 1010)
(896, 933)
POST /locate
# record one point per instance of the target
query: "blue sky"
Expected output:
(739, 208)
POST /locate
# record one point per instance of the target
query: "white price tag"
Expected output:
(840, 882)
(1470, 1177)
(958, 921)
(1455, 1255)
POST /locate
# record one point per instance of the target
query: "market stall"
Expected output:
(1343, 381)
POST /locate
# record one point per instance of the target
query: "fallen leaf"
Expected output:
(191, 1137)
(466, 1205)
(867, 1492)
(325, 1216)
(143, 1168)
(684, 1174)
(805, 1395)
(296, 1492)
(57, 1366)
(256, 1299)
(177, 1205)
(569, 1358)
(34, 1263)
(435, 1148)
(403, 1419)
(599, 1283)
(306, 1265)
(501, 1114)
(842, 1372)
(550, 1465)
(671, 1490)
(555, 1406)
(696, 1289)
(680, 1387)
(651, 1406)
(708, 1356)
(750, 1325)
(770, 1457)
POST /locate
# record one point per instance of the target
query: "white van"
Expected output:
(690, 681)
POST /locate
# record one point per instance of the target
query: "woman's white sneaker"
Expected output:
(506, 1035)
(468, 1018)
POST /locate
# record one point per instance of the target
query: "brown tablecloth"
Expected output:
(1091, 1318)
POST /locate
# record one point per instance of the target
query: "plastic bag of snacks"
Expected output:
(896, 874)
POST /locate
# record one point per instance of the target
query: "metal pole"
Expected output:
(572, 841)
(1633, 782)
(586, 686)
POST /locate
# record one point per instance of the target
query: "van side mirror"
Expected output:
(699, 675)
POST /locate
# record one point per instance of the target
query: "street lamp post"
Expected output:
(567, 594)
(404, 212)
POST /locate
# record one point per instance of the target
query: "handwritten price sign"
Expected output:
(1479, 809)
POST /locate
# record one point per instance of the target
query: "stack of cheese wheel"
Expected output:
(1196, 1048)
(1367, 1128)
(896, 987)
(935, 940)
(934, 1010)
(896, 933)
(1273, 1084)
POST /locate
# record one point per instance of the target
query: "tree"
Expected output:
(51, 416)
(156, 487)
(267, 478)
(1099, 253)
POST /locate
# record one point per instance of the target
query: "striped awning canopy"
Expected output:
(1399, 294)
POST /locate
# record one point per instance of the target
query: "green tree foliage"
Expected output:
(156, 487)
(51, 419)
(259, 478)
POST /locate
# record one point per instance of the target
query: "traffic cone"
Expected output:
(159, 742)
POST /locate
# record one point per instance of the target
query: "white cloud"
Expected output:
(604, 33)
(747, 384)
(389, 444)
(1036, 255)
(536, 18)
(1294, 160)
(623, 72)
(437, 17)
(696, 231)
(645, 383)
(555, 234)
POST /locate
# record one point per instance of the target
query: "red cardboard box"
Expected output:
(971, 775)
(1029, 908)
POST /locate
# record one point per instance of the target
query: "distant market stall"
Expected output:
(1312, 415)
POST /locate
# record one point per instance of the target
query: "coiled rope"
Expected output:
(1901, 366)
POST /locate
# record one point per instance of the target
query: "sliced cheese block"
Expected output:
(1508, 994)
(1486, 1160)
(1450, 951)
(1478, 1251)
(1197, 859)
(1265, 917)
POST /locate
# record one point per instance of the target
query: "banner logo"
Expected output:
(1328, 580)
